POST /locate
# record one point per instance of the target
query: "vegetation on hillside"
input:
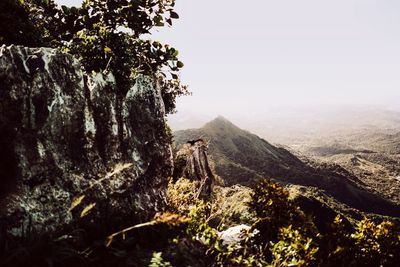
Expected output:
(283, 235)
(186, 234)
(106, 36)
(244, 158)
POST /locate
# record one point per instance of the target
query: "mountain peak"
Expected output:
(221, 118)
(220, 121)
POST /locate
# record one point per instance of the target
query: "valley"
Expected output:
(354, 173)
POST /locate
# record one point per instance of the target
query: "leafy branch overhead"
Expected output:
(106, 35)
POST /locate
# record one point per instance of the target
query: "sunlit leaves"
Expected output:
(377, 244)
(76, 202)
(158, 261)
(87, 209)
(293, 249)
(107, 50)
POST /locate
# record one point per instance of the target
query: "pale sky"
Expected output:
(246, 56)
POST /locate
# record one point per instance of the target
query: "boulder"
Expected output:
(73, 148)
(235, 234)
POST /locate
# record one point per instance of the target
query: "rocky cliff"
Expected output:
(192, 162)
(71, 148)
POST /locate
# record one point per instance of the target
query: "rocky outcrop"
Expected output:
(235, 234)
(192, 163)
(71, 147)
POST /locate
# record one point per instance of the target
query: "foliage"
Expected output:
(158, 261)
(182, 196)
(284, 236)
(336, 245)
(182, 200)
(227, 206)
(105, 35)
(184, 236)
(271, 205)
(293, 249)
(230, 207)
(376, 244)
(15, 25)
(270, 200)
(369, 244)
(281, 233)
(198, 227)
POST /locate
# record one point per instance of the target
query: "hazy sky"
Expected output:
(246, 56)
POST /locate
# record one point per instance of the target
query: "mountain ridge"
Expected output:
(233, 148)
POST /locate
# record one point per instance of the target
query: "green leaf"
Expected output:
(180, 64)
(158, 20)
(156, 44)
(74, 10)
(64, 237)
(107, 50)
(175, 53)
(174, 15)
(65, 10)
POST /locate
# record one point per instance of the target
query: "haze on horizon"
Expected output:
(249, 59)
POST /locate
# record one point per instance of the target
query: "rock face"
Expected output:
(192, 163)
(70, 146)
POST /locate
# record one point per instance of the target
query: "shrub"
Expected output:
(181, 196)
(336, 246)
(105, 35)
(271, 205)
(376, 244)
(158, 261)
(293, 249)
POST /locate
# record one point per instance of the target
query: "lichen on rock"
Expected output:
(62, 134)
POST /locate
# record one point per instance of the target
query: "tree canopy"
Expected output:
(105, 35)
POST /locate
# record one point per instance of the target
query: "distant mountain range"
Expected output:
(243, 158)
(294, 127)
(373, 157)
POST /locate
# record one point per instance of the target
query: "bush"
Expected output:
(293, 249)
(376, 244)
(16, 27)
(185, 238)
(271, 205)
(284, 236)
(181, 196)
(280, 235)
(105, 35)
